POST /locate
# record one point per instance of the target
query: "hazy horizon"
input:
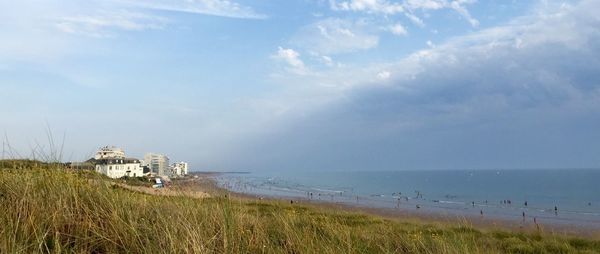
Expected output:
(336, 85)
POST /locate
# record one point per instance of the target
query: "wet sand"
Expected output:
(205, 182)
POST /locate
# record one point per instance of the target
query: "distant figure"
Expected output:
(555, 210)
(523, 216)
(356, 199)
(481, 212)
(398, 204)
(525, 203)
(311, 195)
(589, 203)
(486, 201)
(292, 202)
(418, 206)
(473, 203)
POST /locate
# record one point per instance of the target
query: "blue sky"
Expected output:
(307, 84)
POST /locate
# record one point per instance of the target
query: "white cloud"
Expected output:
(424, 4)
(397, 29)
(384, 75)
(224, 8)
(407, 7)
(430, 44)
(292, 58)
(103, 24)
(28, 29)
(568, 27)
(370, 6)
(458, 7)
(327, 60)
(335, 36)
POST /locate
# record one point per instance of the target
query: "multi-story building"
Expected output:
(158, 164)
(111, 161)
(109, 152)
(179, 168)
(119, 167)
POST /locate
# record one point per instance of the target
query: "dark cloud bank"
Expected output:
(525, 95)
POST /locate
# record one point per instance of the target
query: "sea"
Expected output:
(556, 196)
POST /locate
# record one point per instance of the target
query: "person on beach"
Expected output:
(523, 216)
(555, 210)
(398, 204)
(481, 212)
(525, 203)
(473, 203)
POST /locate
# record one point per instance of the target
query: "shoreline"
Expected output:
(404, 214)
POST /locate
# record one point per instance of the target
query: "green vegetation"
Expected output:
(49, 209)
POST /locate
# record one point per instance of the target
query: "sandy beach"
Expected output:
(205, 183)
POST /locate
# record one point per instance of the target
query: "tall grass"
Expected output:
(51, 210)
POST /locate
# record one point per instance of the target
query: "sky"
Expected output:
(305, 84)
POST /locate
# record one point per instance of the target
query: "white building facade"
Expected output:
(120, 167)
(179, 169)
(158, 164)
(111, 161)
(109, 152)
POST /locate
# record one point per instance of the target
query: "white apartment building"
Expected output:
(158, 164)
(111, 161)
(179, 168)
(109, 152)
(119, 167)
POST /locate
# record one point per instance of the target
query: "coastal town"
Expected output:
(114, 163)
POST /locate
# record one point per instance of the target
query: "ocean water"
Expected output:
(574, 192)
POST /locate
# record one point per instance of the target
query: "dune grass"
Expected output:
(45, 208)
